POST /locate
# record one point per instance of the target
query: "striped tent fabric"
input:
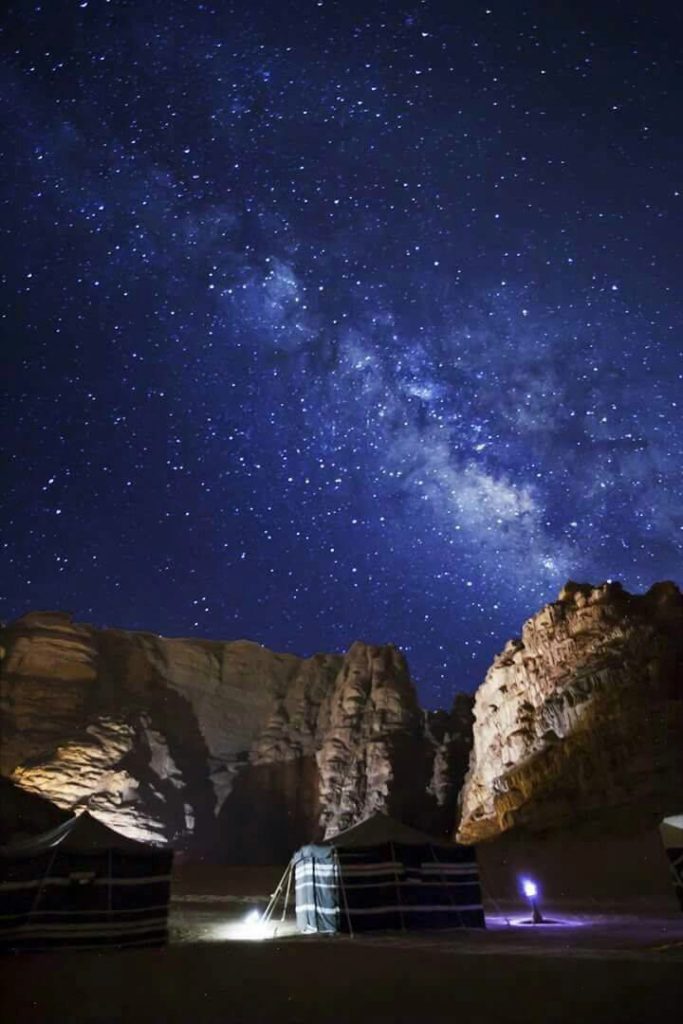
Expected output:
(671, 830)
(84, 886)
(383, 875)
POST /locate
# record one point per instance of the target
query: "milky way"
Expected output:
(331, 321)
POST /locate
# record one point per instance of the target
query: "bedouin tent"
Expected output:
(671, 831)
(382, 874)
(83, 885)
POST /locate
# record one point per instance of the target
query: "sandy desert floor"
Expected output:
(606, 967)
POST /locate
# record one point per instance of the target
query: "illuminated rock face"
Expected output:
(227, 748)
(581, 719)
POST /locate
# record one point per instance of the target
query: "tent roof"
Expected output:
(83, 833)
(25, 813)
(671, 831)
(380, 828)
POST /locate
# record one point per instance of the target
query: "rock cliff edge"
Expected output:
(581, 719)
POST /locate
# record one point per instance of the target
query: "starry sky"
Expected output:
(327, 321)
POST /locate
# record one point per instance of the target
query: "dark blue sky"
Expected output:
(330, 321)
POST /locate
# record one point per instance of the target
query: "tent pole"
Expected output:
(272, 903)
(270, 909)
(398, 891)
(343, 889)
(39, 889)
(493, 899)
(290, 872)
(289, 887)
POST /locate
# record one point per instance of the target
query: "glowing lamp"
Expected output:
(530, 890)
(253, 926)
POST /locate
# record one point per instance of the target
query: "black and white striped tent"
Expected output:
(671, 831)
(381, 874)
(83, 885)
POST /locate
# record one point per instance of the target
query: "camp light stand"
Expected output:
(530, 890)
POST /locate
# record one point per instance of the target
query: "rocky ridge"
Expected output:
(225, 748)
(234, 751)
(581, 719)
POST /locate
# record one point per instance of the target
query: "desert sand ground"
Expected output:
(591, 966)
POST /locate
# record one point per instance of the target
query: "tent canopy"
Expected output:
(81, 834)
(25, 813)
(382, 874)
(83, 885)
(380, 828)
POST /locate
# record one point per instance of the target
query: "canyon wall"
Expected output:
(235, 752)
(580, 721)
(225, 749)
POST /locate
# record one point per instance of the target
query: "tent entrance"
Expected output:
(319, 895)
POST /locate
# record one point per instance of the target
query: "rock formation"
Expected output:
(237, 752)
(226, 748)
(581, 719)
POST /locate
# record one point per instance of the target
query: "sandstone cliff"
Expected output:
(581, 719)
(226, 748)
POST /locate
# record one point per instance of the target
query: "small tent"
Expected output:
(671, 831)
(382, 874)
(83, 885)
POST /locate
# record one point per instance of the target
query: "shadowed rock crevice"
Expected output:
(272, 809)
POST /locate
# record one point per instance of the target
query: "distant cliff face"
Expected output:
(227, 748)
(581, 718)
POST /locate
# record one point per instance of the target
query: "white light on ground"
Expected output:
(249, 930)
(254, 927)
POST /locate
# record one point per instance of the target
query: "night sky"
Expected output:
(328, 321)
